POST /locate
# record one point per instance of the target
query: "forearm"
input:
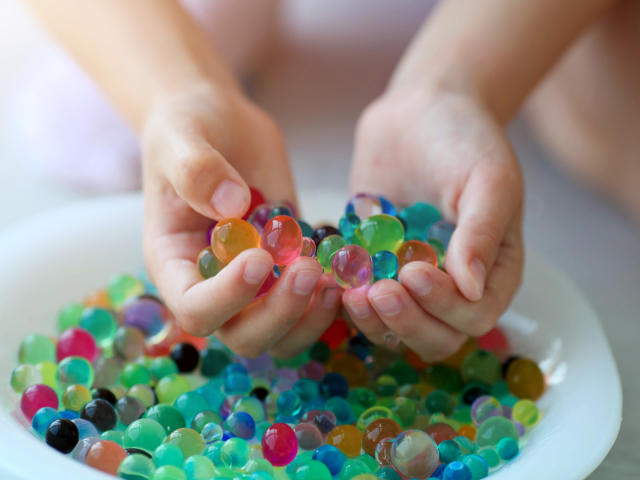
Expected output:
(496, 50)
(137, 51)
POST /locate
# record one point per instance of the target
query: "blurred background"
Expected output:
(315, 85)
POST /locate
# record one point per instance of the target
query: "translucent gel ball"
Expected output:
(188, 440)
(232, 236)
(525, 412)
(416, 251)
(348, 224)
(364, 205)
(327, 248)
(385, 264)
(78, 342)
(149, 315)
(24, 376)
(484, 407)
(128, 343)
(414, 454)
(105, 456)
(36, 397)
(352, 266)
(282, 238)
(279, 444)
(37, 348)
(136, 466)
(308, 247)
(145, 433)
(493, 429)
(418, 218)
(380, 232)
(100, 323)
(208, 263)
(74, 371)
(442, 230)
(260, 216)
(42, 419)
(122, 288)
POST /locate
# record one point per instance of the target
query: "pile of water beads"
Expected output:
(372, 242)
(124, 390)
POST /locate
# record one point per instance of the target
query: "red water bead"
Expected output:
(313, 370)
(494, 340)
(36, 397)
(378, 430)
(105, 456)
(352, 266)
(269, 282)
(416, 251)
(76, 342)
(336, 334)
(279, 444)
(441, 431)
(256, 199)
(282, 238)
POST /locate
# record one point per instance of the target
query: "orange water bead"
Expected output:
(441, 431)
(414, 251)
(350, 367)
(524, 379)
(347, 439)
(468, 431)
(232, 236)
(376, 431)
(414, 360)
(105, 456)
(455, 360)
(99, 298)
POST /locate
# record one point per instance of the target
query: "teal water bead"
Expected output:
(162, 366)
(477, 466)
(214, 360)
(482, 366)
(385, 264)
(169, 472)
(387, 473)
(289, 403)
(261, 427)
(189, 404)
(490, 456)
(144, 393)
(253, 407)
(128, 343)
(418, 218)
(134, 374)
(188, 440)
(145, 433)
(170, 387)
(235, 452)
(69, 316)
(312, 470)
(35, 349)
(380, 232)
(168, 454)
(259, 465)
(456, 471)
(167, 416)
(493, 429)
(74, 371)
(307, 230)
(327, 249)
(116, 436)
(42, 419)
(439, 248)
(203, 418)
(353, 467)
(449, 451)
(300, 459)
(100, 323)
(122, 288)
(136, 467)
(199, 467)
(348, 225)
(214, 452)
(24, 376)
(439, 401)
(212, 432)
(507, 448)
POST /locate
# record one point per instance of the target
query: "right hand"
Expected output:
(200, 150)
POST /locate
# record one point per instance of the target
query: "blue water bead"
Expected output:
(507, 448)
(234, 368)
(42, 419)
(331, 457)
(456, 471)
(289, 403)
(348, 224)
(334, 385)
(439, 471)
(68, 414)
(442, 230)
(227, 435)
(211, 391)
(388, 473)
(85, 428)
(240, 424)
(307, 389)
(387, 207)
(307, 230)
(385, 264)
(189, 404)
(341, 408)
(417, 220)
(237, 384)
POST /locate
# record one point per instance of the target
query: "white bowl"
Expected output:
(61, 256)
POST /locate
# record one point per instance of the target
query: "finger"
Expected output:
(321, 311)
(491, 199)
(421, 332)
(436, 292)
(363, 316)
(266, 320)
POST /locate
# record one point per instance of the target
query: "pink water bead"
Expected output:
(352, 266)
(76, 342)
(282, 238)
(279, 444)
(37, 396)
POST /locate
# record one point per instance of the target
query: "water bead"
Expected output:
(387, 207)
(279, 444)
(383, 451)
(524, 379)
(76, 342)
(235, 453)
(334, 385)
(385, 386)
(282, 238)
(324, 231)
(308, 247)
(69, 316)
(168, 454)
(252, 406)
(405, 409)
(482, 366)
(380, 232)
(136, 467)
(484, 407)
(260, 216)
(76, 397)
(337, 333)
(376, 430)
(493, 429)
(62, 435)
(211, 432)
(468, 431)
(477, 465)
(100, 323)
(416, 251)
(171, 387)
(456, 471)
(490, 456)
(74, 371)
(208, 263)
(129, 409)
(113, 436)
(442, 231)
(160, 367)
(418, 218)
(188, 440)
(525, 412)
(122, 288)
(449, 451)
(35, 349)
(101, 413)
(440, 431)
(347, 439)
(105, 456)
(385, 264)
(327, 248)
(257, 198)
(414, 454)
(237, 384)
(48, 372)
(149, 315)
(145, 434)
(86, 429)
(307, 230)
(507, 448)
(348, 224)
(352, 266)
(308, 435)
(353, 467)
(213, 361)
(331, 457)
(240, 424)
(439, 401)
(133, 374)
(199, 467)
(232, 236)
(439, 249)
(364, 205)
(24, 376)
(128, 343)
(281, 209)
(42, 419)
(204, 417)
(185, 356)
(312, 470)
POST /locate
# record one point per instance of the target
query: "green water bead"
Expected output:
(449, 451)
(418, 218)
(369, 461)
(525, 412)
(348, 225)
(69, 316)
(462, 414)
(507, 448)
(171, 387)
(75, 397)
(300, 459)
(74, 371)
(258, 465)
(37, 348)
(490, 456)
(254, 407)
(189, 404)
(405, 409)
(208, 263)
(100, 323)
(385, 264)
(122, 288)
(477, 465)
(292, 362)
(493, 429)
(214, 360)
(385, 386)
(439, 401)
(482, 366)
(189, 441)
(235, 452)
(403, 373)
(444, 377)
(144, 393)
(145, 433)
(327, 249)
(167, 416)
(353, 467)
(199, 467)
(466, 445)
(380, 232)
(499, 389)
(162, 366)
(203, 418)
(24, 376)
(168, 454)
(320, 352)
(134, 374)
(48, 371)
(373, 413)
(136, 467)
(116, 436)
(169, 472)
(313, 470)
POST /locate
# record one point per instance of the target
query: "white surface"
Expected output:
(86, 244)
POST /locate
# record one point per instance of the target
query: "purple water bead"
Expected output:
(352, 266)
(149, 315)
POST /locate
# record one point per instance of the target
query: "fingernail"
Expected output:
(331, 297)
(359, 310)
(419, 283)
(478, 274)
(388, 304)
(255, 271)
(305, 281)
(229, 199)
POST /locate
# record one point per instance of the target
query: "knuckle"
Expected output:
(481, 324)
(190, 169)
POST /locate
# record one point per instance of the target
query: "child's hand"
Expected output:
(200, 151)
(448, 150)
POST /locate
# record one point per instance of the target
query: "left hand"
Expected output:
(446, 149)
